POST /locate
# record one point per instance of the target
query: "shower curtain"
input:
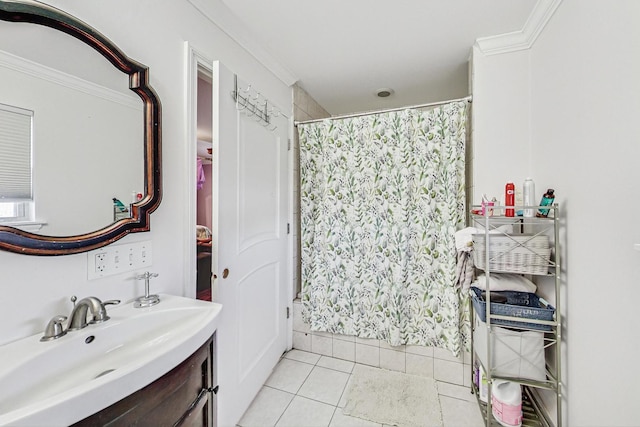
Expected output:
(381, 197)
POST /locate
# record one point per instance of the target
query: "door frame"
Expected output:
(194, 60)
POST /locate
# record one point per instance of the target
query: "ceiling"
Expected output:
(342, 51)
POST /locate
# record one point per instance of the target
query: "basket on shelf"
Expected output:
(521, 253)
(525, 305)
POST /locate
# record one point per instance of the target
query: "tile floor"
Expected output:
(306, 390)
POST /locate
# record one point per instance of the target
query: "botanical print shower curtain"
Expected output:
(381, 197)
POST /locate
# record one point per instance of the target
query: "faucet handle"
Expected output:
(54, 328)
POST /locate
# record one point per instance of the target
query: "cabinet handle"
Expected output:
(225, 273)
(203, 393)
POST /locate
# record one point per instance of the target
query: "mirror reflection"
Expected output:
(87, 128)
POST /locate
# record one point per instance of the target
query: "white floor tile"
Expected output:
(289, 375)
(303, 412)
(336, 364)
(447, 371)
(341, 420)
(460, 413)
(267, 408)
(456, 391)
(466, 376)
(302, 356)
(305, 388)
(324, 385)
(343, 398)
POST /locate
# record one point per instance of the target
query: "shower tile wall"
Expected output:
(304, 108)
(411, 359)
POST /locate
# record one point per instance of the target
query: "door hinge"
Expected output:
(288, 228)
(288, 313)
(289, 144)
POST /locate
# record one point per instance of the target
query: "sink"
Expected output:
(63, 381)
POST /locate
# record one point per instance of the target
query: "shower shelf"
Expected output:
(534, 413)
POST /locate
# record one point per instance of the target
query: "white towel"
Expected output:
(505, 282)
(464, 238)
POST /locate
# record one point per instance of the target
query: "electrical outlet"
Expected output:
(100, 262)
(116, 259)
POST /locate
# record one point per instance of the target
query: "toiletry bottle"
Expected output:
(119, 205)
(496, 202)
(529, 194)
(509, 198)
(547, 200)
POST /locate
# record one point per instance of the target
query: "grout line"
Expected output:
(332, 416)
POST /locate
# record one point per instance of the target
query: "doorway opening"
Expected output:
(204, 189)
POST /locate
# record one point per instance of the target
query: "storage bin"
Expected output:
(517, 354)
(518, 304)
(513, 253)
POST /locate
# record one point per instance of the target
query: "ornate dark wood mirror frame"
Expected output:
(15, 240)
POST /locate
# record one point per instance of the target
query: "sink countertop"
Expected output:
(63, 381)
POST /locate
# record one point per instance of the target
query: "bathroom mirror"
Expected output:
(96, 131)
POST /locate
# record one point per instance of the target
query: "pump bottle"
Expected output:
(547, 200)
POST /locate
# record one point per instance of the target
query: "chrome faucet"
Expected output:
(78, 316)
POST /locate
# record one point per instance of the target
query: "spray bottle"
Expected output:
(529, 194)
(509, 198)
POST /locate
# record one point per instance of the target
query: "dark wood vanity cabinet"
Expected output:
(185, 396)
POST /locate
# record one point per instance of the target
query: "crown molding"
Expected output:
(25, 66)
(220, 15)
(523, 39)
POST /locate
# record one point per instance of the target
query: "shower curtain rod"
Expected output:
(366, 113)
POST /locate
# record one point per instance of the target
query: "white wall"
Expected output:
(36, 288)
(501, 122)
(579, 111)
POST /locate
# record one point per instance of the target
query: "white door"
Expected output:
(250, 224)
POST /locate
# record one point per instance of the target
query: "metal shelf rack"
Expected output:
(534, 413)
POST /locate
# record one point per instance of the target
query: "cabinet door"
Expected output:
(169, 400)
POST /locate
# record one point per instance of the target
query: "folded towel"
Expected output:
(505, 282)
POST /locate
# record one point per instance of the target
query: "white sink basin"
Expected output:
(65, 380)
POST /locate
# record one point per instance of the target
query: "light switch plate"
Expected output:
(116, 259)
